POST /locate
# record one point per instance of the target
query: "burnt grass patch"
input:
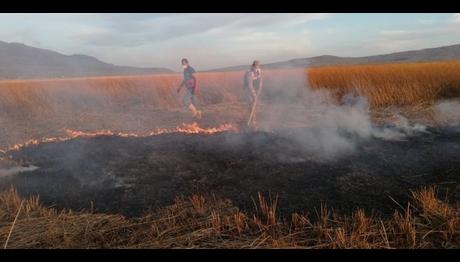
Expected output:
(133, 175)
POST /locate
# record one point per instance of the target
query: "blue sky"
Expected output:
(219, 40)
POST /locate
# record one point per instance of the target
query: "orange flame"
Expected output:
(193, 128)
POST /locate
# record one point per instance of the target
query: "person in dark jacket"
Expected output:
(191, 86)
(253, 85)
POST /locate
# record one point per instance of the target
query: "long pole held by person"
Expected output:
(253, 110)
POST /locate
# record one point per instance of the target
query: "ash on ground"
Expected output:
(133, 175)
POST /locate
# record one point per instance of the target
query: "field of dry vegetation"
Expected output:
(382, 85)
(392, 84)
(35, 108)
(197, 222)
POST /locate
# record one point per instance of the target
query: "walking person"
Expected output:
(191, 85)
(253, 85)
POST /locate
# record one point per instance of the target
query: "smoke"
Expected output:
(329, 130)
(447, 112)
(323, 126)
(4, 172)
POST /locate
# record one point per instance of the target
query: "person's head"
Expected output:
(184, 62)
(255, 64)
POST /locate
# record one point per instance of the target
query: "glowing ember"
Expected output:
(71, 134)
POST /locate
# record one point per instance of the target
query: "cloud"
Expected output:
(225, 39)
(132, 30)
(427, 21)
(26, 35)
(431, 28)
(261, 20)
(398, 35)
(433, 33)
(222, 39)
(456, 18)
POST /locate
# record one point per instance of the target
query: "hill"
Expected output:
(429, 54)
(19, 61)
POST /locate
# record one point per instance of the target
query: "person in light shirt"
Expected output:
(253, 84)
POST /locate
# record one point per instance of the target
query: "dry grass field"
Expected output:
(392, 84)
(198, 222)
(136, 105)
(382, 85)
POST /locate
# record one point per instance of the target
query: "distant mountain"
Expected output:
(430, 54)
(19, 61)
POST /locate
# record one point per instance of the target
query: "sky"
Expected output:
(224, 39)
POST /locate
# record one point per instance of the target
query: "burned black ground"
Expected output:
(132, 175)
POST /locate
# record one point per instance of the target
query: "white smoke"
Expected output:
(448, 112)
(5, 172)
(332, 130)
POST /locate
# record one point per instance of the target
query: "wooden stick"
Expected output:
(252, 111)
(12, 226)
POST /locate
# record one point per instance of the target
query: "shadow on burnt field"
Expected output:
(133, 175)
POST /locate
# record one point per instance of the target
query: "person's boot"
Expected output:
(192, 109)
(195, 113)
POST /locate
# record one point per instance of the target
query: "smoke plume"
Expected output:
(329, 130)
(448, 112)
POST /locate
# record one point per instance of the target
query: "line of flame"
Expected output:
(71, 134)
